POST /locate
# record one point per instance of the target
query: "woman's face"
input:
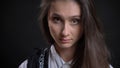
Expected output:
(64, 23)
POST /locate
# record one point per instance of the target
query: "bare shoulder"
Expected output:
(23, 64)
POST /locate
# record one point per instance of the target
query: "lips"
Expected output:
(65, 40)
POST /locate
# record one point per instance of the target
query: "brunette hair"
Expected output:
(91, 51)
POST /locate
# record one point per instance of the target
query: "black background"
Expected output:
(21, 32)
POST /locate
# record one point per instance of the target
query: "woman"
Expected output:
(75, 35)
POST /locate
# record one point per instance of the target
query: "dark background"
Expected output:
(21, 32)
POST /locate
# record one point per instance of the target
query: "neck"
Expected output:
(67, 54)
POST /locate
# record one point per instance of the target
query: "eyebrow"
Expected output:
(58, 15)
(75, 16)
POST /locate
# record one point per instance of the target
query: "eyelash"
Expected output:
(73, 21)
(56, 19)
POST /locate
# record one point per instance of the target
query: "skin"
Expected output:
(65, 27)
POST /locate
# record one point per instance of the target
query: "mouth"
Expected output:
(65, 40)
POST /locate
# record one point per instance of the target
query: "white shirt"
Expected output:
(54, 61)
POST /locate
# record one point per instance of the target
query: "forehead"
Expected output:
(65, 8)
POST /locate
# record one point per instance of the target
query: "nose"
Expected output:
(65, 30)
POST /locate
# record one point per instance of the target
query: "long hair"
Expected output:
(91, 51)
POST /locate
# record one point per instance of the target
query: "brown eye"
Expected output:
(75, 21)
(56, 20)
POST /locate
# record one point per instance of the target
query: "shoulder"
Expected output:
(110, 66)
(33, 60)
(23, 64)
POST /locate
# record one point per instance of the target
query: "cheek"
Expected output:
(54, 30)
(78, 32)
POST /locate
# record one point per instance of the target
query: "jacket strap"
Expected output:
(39, 59)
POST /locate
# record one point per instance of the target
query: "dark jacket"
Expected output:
(39, 59)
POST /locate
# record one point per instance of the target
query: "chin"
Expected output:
(65, 45)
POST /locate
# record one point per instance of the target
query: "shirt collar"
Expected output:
(57, 58)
